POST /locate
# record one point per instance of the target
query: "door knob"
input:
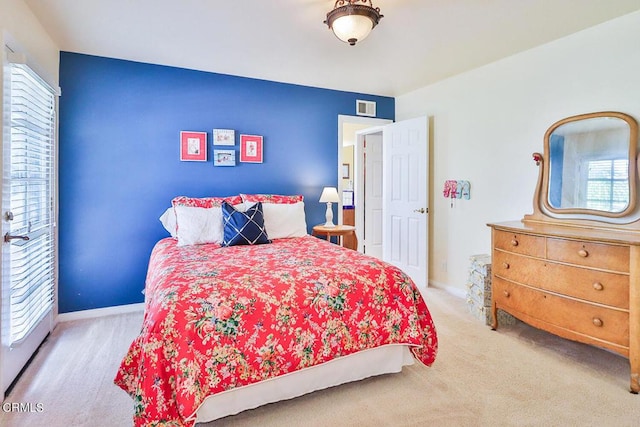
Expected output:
(421, 210)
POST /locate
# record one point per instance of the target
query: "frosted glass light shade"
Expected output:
(352, 21)
(352, 28)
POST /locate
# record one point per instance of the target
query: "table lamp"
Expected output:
(329, 195)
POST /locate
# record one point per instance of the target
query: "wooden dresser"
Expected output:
(576, 282)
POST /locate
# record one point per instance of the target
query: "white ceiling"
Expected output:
(418, 42)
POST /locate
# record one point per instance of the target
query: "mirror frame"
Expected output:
(633, 142)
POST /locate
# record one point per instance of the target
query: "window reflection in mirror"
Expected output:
(589, 164)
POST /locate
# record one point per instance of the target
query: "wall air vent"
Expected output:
(365, 108)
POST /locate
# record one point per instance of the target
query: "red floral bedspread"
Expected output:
(220, 318)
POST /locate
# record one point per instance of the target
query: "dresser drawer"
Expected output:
(517, 268)
(597, 255)
(591, 285)
(582, 318)
(519, 243)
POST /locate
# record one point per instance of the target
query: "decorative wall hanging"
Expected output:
(347, 199)
(224, 157)
(193, 146)
(224, 137)
(457, 189)
(251, 148)
(345, 171)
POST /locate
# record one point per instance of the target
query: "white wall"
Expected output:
(487, 123)
(22, 31)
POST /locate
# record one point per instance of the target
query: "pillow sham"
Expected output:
(271, 198)
(284, 216)
(205, 202)
(198, 226)
(198, 220)
(243, 228)
(285, 221)
(168, 220)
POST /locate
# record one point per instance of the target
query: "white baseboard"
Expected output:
(456, 292)
(100, 312)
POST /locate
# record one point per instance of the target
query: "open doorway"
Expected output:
(348, 126)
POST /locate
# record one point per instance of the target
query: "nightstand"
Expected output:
(339, 231)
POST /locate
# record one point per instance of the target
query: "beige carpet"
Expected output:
(517, 376)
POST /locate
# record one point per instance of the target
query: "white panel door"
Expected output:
(405, 197)
(374, 207)
(27, 220)
(369, 192)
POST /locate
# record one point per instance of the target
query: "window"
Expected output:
(30, 176)
(607, 185)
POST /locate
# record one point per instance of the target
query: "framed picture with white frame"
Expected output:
(224, 137)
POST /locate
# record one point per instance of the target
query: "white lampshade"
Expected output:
(352, 28)
(329, 194)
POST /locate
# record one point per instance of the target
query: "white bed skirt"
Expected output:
(382, 360)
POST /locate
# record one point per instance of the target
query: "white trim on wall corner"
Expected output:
(100, 312)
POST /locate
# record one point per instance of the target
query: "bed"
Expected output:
(231, 327)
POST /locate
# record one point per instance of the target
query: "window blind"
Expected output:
(31, 182)
(607, 184)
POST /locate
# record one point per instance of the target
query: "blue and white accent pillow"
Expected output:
(243, 228)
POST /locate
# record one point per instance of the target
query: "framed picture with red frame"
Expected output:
(251, 148)
(193, 146)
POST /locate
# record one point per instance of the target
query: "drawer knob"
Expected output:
(506, 265)
(598, 286)
(597, 322)
(514, 242)
(583, 253)
(506, 294)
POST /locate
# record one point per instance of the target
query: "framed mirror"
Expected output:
(591, 165)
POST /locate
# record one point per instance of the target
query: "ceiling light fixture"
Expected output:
(352, 22)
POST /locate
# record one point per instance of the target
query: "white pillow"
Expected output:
(284, 220)
(168, 220)
(198, 226)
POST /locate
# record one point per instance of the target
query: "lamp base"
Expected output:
(329, 216)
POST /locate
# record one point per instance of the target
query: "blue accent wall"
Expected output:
(119, 166)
